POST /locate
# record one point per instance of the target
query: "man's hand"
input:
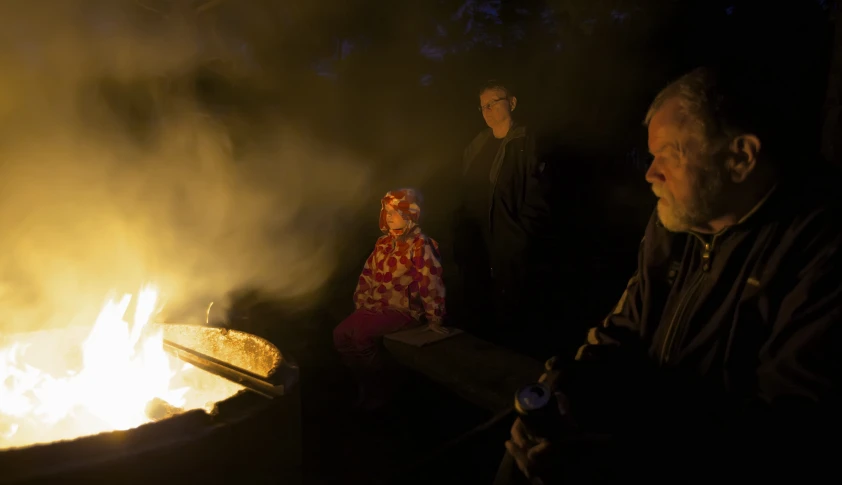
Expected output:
(534, 456)
(555, 461)
(438, 328)
(552, 374)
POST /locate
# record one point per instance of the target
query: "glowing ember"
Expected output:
(58, 385)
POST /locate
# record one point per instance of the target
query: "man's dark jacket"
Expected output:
(519, 212)
(725, 350)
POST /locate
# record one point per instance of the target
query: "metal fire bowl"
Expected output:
(249, 439)
(241, 357)
(241, 349)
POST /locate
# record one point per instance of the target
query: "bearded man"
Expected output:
(724, 355)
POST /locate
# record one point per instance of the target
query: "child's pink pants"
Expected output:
(358, 337)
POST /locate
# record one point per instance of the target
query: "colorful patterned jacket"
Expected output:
(404, 271)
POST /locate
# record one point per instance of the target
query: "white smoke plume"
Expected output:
(93, 200)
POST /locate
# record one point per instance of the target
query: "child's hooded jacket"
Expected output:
(404, 271)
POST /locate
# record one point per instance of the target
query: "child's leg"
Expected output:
(357, 338)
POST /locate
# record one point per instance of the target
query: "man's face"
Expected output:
(496, 108)
(687, 175)
(394, 219)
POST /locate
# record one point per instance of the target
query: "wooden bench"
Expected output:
(480, 372)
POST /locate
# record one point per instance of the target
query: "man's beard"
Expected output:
(704, 205)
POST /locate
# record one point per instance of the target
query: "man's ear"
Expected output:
(512, 102)
(742, 156)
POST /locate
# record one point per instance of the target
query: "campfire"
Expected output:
(114, 375)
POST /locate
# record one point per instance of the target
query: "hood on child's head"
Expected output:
(407, 202)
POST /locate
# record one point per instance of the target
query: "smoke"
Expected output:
(112, 174)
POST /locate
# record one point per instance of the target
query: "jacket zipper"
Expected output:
(686, 302)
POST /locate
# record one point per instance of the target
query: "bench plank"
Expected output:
(484, 374)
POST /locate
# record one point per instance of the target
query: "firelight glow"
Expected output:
(52, 388)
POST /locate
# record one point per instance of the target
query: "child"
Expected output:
(400, 283)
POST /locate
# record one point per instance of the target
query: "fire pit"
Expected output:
(114, 407)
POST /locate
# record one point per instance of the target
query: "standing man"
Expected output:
(501, 224)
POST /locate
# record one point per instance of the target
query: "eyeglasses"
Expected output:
(487, 106)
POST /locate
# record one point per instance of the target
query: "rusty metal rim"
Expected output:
(47, 459)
